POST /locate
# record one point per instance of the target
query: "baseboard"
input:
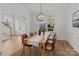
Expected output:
(71, 43)
(75, 48)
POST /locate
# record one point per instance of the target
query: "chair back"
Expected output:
(31, 34)
(51, 45)
(54, 41)
(35, 33)
(24, 36)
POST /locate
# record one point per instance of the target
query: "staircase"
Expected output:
(4, 33)
(4, 30)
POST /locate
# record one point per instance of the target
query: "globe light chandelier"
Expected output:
(40, 16)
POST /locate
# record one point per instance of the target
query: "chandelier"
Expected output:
(40, 16)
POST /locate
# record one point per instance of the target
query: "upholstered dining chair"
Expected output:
(31, 34)
(50, 44)
(24, 39)
(35, 33)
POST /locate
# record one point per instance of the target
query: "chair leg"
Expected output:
(53, 53)
(23, 51)
(32, 52)
(28, 50)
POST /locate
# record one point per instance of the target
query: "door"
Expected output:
(20, 25)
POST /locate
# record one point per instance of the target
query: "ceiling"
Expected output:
(35, 7)
(45, 6)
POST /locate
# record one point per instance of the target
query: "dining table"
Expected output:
(39, 41)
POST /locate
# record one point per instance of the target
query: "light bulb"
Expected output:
(40, 17)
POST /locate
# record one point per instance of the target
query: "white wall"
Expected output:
(16, 10)
(72, 33)
(58, 11)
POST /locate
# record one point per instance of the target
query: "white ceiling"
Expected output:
(35, 7)
(46, 7)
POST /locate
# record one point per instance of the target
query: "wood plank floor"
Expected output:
(62, 48)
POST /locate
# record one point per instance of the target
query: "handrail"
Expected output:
(7, 26)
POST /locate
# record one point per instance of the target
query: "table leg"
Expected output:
(42, 49)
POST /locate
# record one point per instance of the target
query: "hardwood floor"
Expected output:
(0, 53)
(62, 48)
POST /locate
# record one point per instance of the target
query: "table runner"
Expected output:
(36, 39)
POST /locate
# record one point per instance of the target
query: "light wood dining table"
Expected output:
(39, 41)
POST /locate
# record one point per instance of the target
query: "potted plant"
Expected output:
(42, 29)
(50, 27)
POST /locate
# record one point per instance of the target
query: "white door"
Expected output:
(20, 25)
